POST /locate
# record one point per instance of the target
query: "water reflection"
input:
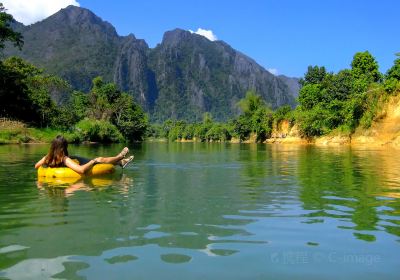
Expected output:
(357, 187)
(68, 186)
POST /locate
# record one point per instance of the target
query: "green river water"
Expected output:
(205, 211)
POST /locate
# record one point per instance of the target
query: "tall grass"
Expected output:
(13, 132)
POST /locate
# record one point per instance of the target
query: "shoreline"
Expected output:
(383, 132)
(324, 141)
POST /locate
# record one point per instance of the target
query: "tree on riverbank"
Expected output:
(11, 88)
(30, 95)
(256, 119)
(104, 114)
(105, 102)
(7, 34)
(24, 89)
(343, 101)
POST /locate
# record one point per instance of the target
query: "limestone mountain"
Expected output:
(182, 77)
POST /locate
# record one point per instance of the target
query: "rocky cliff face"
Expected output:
(195, 75)
(292, 83)
(131, 72)
(183, 77)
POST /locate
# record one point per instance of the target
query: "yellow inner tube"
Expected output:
(66, 172)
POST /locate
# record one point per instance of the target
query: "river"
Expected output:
(205, 211)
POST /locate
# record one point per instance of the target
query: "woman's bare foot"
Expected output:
(124, 152)
(124, 162)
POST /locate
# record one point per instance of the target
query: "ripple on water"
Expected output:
(189, 233)
(365, 237)
(175, 258)
(155, 234)
(223, 252)
(121, 259)
(36, 268)
(220, 250)
(12, 248)
(149, 227)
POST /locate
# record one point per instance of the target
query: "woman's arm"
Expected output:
(81, 169)
(40, 162)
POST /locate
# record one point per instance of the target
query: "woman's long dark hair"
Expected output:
(58, 150)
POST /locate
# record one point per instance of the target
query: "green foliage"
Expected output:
(176, 132)
(43, 134)
(314, 75)
(339, 86)
(166, 128)
(251, 103)
(154, 131)
(34, 94)
(392, 78)
(351, 112)
(15, 101)
(129, 117)
(12, 131)
(96, 131)
(22, 134)
(101, 99)
(391, 85)
(365, 65)
(79, 104)
(40, 87)
(241, 127)
(256, 118)
(261, 123)
(394, 71)
(22, 67)
(283, 113)
(201, 129)
(310, 95)
(189, 132)
(23, 92)
(361, 85)
(312, 122)
(6, 32)
(218, 132)
(207, 130)
(106, 102)
(372, 104)
(26, 95)
(343, 100)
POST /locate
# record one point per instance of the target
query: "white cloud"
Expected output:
(273, 71)
(31, 11)
(206, 33)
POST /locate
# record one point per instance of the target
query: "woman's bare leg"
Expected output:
(113, 160)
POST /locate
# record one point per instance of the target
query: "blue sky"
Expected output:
(286, 35)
